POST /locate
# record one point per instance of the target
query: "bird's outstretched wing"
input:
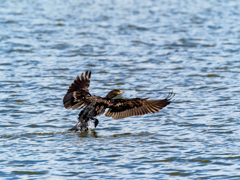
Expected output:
(121, 108)
(78, 94)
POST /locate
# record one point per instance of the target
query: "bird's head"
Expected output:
(114, 93)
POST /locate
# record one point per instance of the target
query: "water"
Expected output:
(146, 48)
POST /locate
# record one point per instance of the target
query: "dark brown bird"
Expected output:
(78, 96)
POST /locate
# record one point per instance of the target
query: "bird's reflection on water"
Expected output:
(86, 134)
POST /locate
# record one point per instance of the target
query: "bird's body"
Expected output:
(78, 96)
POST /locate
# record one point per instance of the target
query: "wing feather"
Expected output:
(153, 108)
(121, 108)
(78, 94)
(145, 110)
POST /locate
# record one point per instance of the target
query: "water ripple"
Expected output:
(146, 48)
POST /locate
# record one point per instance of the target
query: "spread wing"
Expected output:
(78, 94)
(121, 108)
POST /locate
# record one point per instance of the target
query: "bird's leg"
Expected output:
(95, 121)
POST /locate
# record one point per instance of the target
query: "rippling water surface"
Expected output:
(146, 48)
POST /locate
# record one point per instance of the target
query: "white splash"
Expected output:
(91, 124)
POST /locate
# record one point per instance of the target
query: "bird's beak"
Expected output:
(120, 92)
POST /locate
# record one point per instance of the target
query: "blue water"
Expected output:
(147, 49)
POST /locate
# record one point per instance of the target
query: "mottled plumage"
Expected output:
(78, 96)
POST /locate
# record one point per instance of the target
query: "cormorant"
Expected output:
(78, 96)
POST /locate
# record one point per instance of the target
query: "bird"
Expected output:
(78, 96)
